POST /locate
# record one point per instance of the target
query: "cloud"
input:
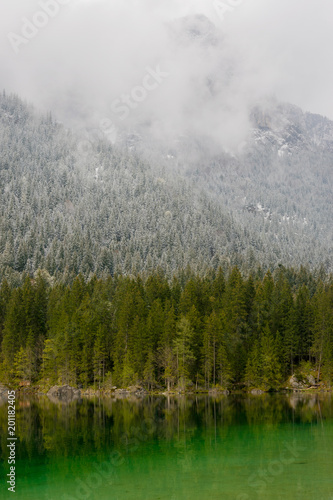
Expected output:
(91, 54)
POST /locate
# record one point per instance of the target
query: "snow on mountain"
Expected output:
(287, 129)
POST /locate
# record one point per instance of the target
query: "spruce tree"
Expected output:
(253, 370)
(183, 350)
(271, 368)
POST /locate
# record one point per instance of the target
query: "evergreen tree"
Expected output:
(50, 361)
(23, 365)
(149, 370)
(99, 357)
(323, 327)
(225, 374)
(271, 368)
(183, 351)
(253, 371)
(166, 355)
(212, 335)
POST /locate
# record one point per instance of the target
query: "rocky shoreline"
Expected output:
(67, 393)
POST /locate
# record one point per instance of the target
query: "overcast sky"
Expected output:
(86, 53)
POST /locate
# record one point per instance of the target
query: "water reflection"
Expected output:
(93, 424)
(186, 447)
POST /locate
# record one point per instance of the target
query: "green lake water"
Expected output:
(232, 448)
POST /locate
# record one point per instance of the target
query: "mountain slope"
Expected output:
(69, 208)
(69, 205)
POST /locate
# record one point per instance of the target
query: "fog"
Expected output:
(114, 64)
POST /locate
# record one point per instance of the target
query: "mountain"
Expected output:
(277, 184)
(168, 190)
(288, 130)
(270, 169)
(68, 205)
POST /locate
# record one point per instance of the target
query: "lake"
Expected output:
(173, 448)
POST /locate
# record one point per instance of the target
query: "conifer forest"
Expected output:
(221, 330)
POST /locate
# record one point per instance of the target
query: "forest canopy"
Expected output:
(214, 331)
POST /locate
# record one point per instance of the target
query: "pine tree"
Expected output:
(218, 288)
(233, 320)
(183, 351)
(212, 333)
(149, 371)
(225, 373)
(50, 361)
(271, 368)
(253, 371)
(165, 351)
(13, 333)
(99, 357)
(5, 293)
(128, 375)
(323, 327)
(304, 320)
(23, 365)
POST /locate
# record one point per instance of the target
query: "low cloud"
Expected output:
(86, 55)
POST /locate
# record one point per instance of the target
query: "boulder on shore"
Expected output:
(3, 390)
(218, 392)
(64, 393)
(301, 382)
(295, 383)
(3, 394)
(257, 392)
(134, 390)
(311, 380)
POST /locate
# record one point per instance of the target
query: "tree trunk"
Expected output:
(319, 367)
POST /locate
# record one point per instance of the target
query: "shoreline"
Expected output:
(140, 392)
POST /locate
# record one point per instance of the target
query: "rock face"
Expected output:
(64, 393)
